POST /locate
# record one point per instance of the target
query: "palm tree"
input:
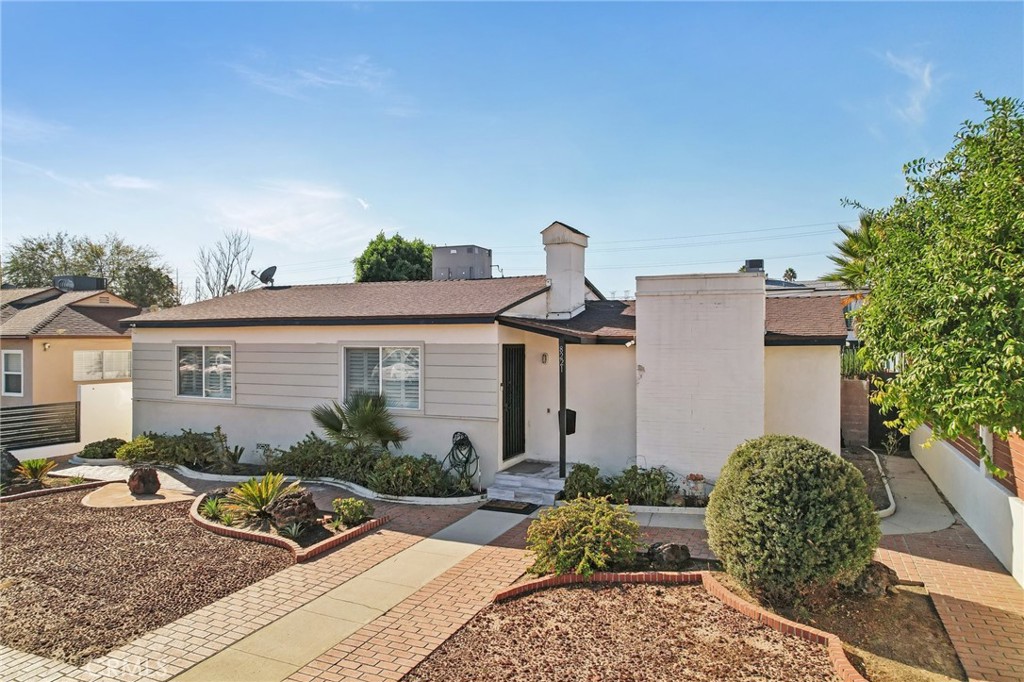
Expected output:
(856, 251)
(789, 275)
(362, 420)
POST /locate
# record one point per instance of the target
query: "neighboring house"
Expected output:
(694, 366)
(852, 298)
(53, 341)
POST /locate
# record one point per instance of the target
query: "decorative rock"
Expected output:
(296, 506)
(877, 580)
(8, 463)
(143, 481)
(668, 555)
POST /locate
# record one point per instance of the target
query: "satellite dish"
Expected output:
(267, 276)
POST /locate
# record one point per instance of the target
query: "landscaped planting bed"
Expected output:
(76, 582)
(868, 467)
(641, 633)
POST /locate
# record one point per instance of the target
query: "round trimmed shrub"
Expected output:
(582, 536)
(102, 449)
(584, 480)
(137, 451)
(787, 517)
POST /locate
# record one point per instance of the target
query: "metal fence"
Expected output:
(38, 425)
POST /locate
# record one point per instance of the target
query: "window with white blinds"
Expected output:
(205, 372)
(393, 371)
(99, 365)
(13, 373)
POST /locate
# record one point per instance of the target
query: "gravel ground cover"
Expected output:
(865, 462)
(76, 582)
(626, 633)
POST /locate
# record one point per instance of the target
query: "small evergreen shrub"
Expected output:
(788, 517)
(409, 475)
(584, 535)
(137, 451)
(352, 511)
(637, 485)
(253, 498)
(311, 457)
(584, 480)
(102, 449)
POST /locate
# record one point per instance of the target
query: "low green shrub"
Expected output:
(292, 531)
(409, 475)
(253, 498)
(212, 508)
(102, 449)
(788, 517)
(311, 457)
(196, 450)
(584, 535)
(75, 480)
(352, 511)
(584, 480)
(138, 450)
(637, 485)
(35, 469)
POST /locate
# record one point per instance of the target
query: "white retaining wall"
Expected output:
(987, 507)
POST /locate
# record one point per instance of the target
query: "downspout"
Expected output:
(561, 407)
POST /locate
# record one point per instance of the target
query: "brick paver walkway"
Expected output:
(167, 651)
(396, 642)
(980, 604)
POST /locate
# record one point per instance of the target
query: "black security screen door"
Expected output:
(513, 373)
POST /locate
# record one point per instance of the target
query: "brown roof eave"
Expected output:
(565, 336)
(785, 340)
(310, 321)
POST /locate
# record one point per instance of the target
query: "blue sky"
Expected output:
(682, 137)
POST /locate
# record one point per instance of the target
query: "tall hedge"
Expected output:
(788, 516)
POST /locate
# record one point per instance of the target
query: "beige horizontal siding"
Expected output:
(261, 357)
(152, 371)
(288, 375)
(461, 380)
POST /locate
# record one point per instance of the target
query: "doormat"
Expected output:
(510, 506)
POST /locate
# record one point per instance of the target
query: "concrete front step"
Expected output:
(518, 481)
(541, 497)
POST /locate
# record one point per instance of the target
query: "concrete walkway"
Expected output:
(919, 507)
(119, 472)
(286, 645)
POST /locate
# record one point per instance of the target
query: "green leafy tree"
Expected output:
(393, 259)
(132, 272)
(946, 285)
(789, 275)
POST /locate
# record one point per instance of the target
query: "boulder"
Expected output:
(666, 556)
(143, 481)
(877, 580)
(296, 506)
(8, 463)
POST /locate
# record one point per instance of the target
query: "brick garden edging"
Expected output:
(299, 552)
(50, 491)
(840, 662)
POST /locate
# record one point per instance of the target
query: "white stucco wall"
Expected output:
(802, 393)
(987, 507)
(700, 369)
(600, 386)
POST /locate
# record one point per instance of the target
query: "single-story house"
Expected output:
(55, 340)
(678, 377)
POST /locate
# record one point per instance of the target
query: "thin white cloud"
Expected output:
(304, 216)
(359, 73)
(20, 126)
(32, 169)
(129, 182)
(921, 74)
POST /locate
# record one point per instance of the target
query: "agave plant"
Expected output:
(212, 508)
(253, 498)
(35, 469)
(292, 531)
(363, 419)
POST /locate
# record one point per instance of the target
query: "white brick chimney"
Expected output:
(565, 247)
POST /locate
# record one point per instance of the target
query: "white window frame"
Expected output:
(380, 346)
(103, 366)
(4, 373)
(204, 345)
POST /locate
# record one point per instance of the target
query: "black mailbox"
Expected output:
(570, 422)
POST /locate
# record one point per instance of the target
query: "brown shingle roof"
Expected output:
(9, 296)
(601, 321)
(363, 303)
(804, 318)
(60, 317)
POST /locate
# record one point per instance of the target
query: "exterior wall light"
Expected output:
(543, 358)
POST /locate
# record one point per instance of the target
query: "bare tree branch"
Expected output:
(224, 267)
